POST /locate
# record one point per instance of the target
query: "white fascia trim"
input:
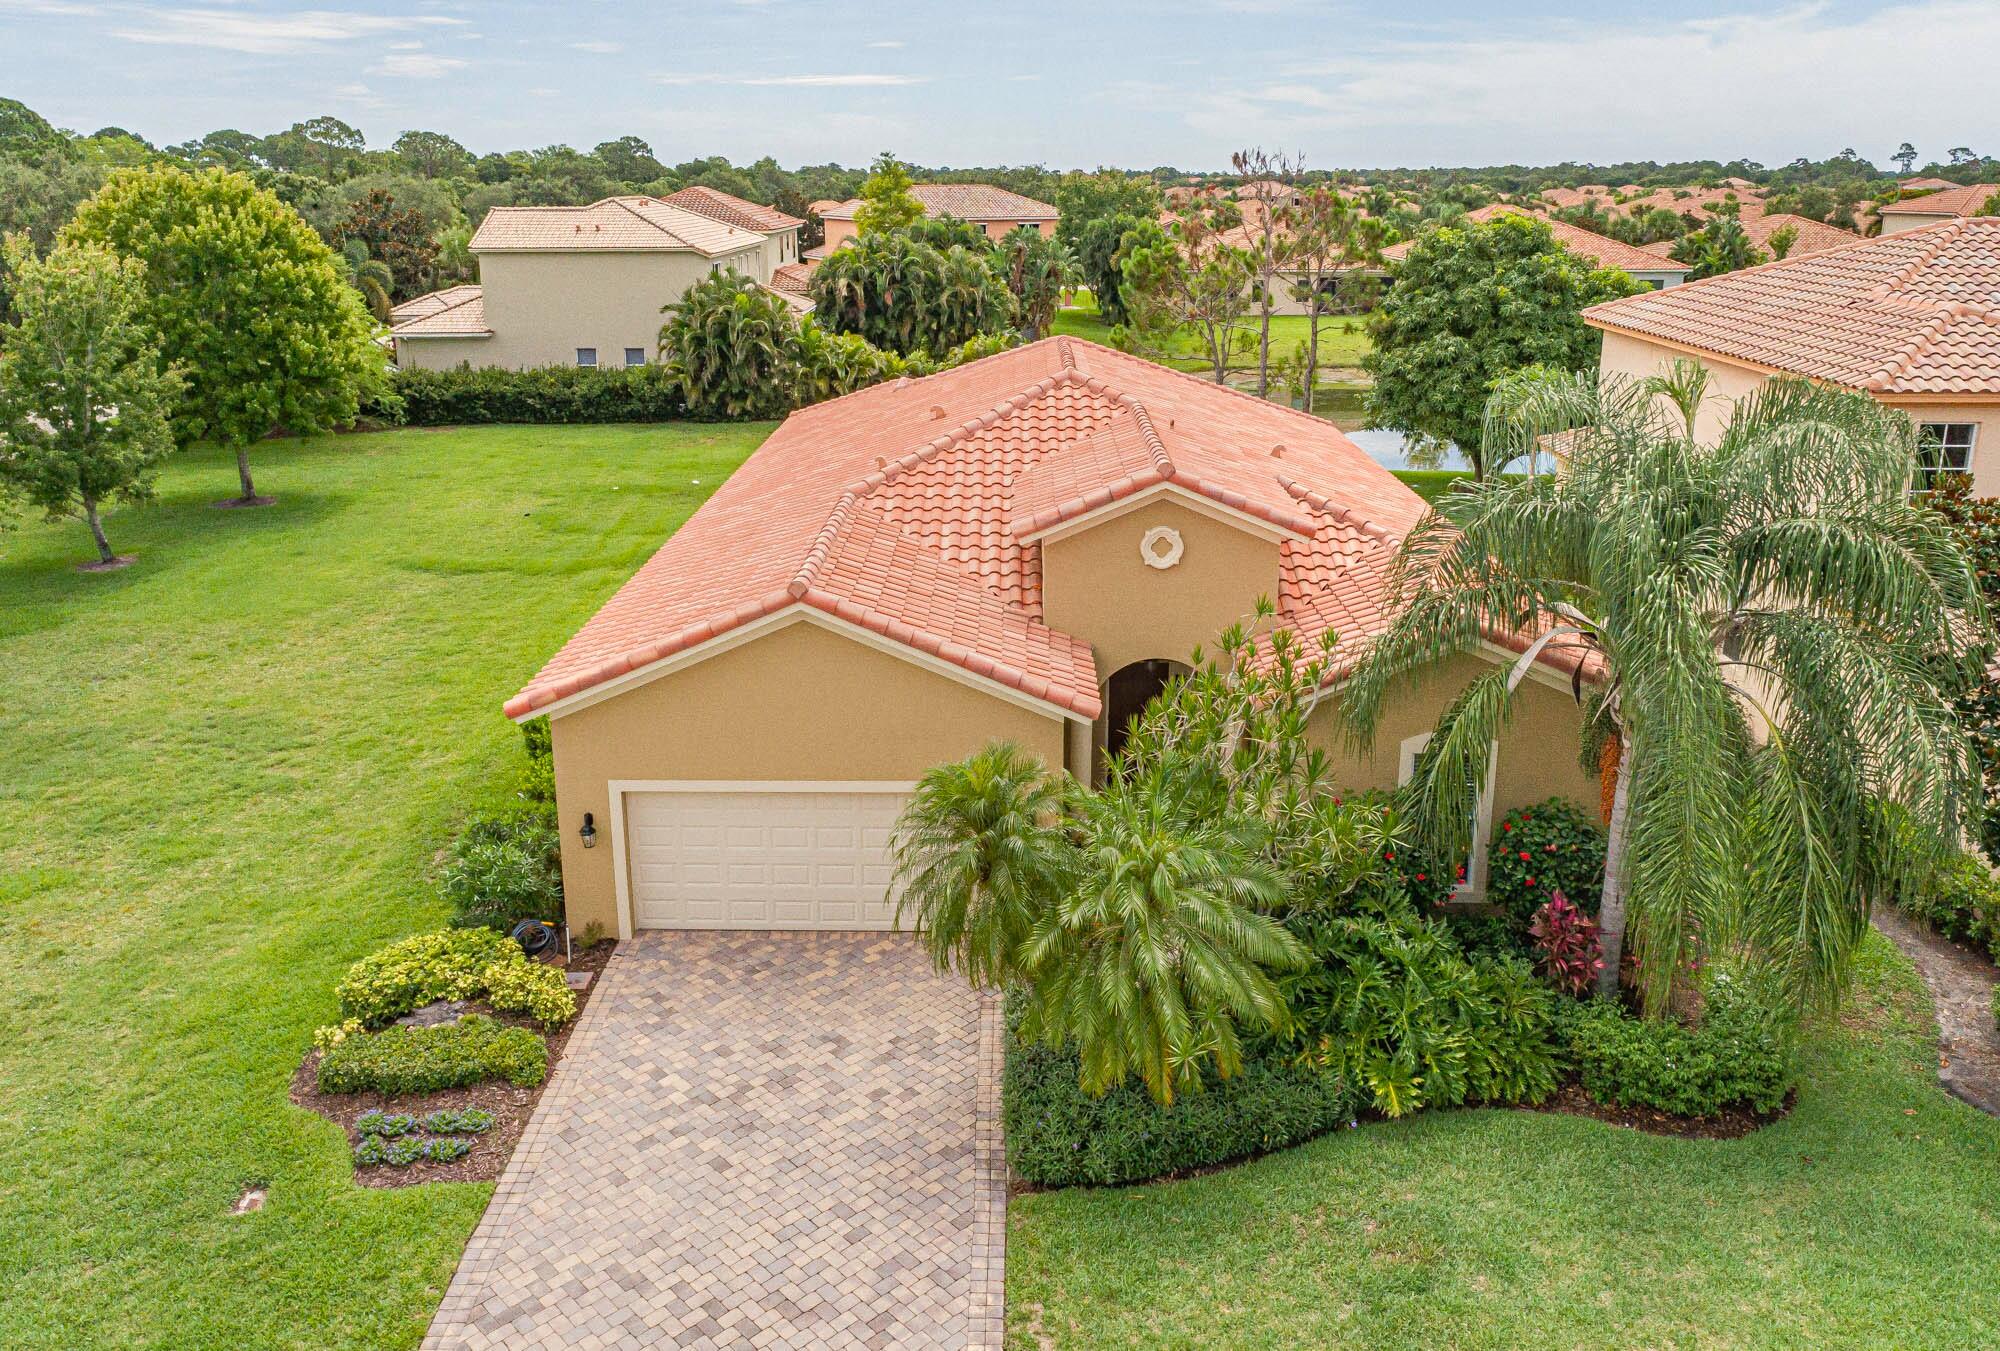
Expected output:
(1193, 501)
(616, 789)
(778, 619)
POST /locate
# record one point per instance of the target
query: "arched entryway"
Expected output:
(1126, 695)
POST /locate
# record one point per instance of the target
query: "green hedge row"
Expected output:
(467, 396)
(1060, 1136)
(430, 1059)
(1737, 1055)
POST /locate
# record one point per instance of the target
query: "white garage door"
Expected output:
(731, 859)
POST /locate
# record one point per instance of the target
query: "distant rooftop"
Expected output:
(966, 201)
(720, 206)
(616, 224)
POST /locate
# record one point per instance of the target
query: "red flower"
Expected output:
(1420, 877)
(1506, 825)
(1390, 857)
(1524, 856)
(1531, 881)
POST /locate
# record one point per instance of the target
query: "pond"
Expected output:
(1341, 405)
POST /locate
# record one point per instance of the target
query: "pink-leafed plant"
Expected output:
(1566, 945)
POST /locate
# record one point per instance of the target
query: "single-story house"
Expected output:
(995, 211)
(584, 285)
(1810, 236)
(1911, 318)
(1023, 548)
(1951, 203)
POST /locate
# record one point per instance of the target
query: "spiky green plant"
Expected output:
(1774, 632)
(1163, 947)
(979, 853)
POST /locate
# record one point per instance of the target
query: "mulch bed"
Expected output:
(1732, 1124)
(511, 1106)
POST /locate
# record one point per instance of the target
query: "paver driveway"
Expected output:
(755, 1140)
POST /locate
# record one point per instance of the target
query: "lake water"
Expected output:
(1341, 405)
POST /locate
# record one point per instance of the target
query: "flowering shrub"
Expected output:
(330, 1035)
(466, 1121)
(504, 868)
(1566, 945)
(531, 988)
(448, 964)
(1540, 850)
(379, 1122)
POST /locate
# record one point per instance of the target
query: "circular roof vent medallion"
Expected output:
(1161, 547)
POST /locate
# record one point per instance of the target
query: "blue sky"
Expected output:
(1347, 82)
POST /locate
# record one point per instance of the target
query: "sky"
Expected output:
(1075, 84)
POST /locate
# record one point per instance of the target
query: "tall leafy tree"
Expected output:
(397, 238)
(1774, 633)
(1469, 305)
(1269, 238)
(1192, 281)
(244, 298)
(886, 201)
(37, 196)
(25, 133)
(1101, 249)
(1722, 245)
(83, 399)
(1330, 243)
(432, 154)
(1082, 200)
(1037, 270)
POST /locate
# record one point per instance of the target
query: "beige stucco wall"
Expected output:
(1538, 751)
(1096, 587)
(1897, 222)
(1638, 358)
(801, 703)
(543, 306)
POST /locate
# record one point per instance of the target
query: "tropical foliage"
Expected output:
(1037, 270)
(1189, 280)
(731, 345)
(1773, 634)
(906, 296)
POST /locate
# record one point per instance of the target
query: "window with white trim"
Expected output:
(635, 356)
(1944, 448)
(1472, 869)
(586, 356)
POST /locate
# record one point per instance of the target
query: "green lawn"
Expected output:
(230, 766)
(1337, 346)
(227, 770)
(1868, 1218)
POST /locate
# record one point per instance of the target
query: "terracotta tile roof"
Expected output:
(765, 220)
(1599, 249)
(456, 312)
(967, 201)
(418, 306)
(616, 224)
(909, 509)
(1926, 184)
(792, 278)
(1813, 235)
(1917, 312)
(1953, 201)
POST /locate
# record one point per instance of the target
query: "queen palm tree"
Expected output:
(1770, 633)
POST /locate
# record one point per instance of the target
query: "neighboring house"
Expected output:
(1812, 235)
(1947, 204)
(1925, 184)
(1271, 191)
(994, 210)
(1601, 250)
(1911, 318)
(793, 283)
(584, 285)
(1023, 548)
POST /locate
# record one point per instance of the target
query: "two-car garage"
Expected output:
(759, 855)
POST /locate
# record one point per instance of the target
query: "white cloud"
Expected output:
(801, 81)
(888, 46)
(267, 34)
(1798, 80)
(417, 65)
(599, 48)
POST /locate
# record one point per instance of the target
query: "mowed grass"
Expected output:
(1337, 345)
(1868, 1218)
(227, 771)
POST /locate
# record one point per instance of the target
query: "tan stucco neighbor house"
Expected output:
(995, 211)
(584, 285)
(1950, 203)
(1025, 547)
(1911, 318)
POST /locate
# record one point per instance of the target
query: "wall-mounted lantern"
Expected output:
(589, 831)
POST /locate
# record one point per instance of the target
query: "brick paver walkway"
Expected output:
(755, 1140)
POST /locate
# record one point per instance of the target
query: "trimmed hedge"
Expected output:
(1737, 1055)
(448, 964)
(1540, 850)
(470, 396)
(1060, 1136)
(429, 1059)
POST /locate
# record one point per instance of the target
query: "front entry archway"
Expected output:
(1126, 695)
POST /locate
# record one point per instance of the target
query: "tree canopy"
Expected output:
(886, 201)
(244, 298)
(1468, 305)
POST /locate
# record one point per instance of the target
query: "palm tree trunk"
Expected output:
(104, 554)
(1611, 914)
(243, 472)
